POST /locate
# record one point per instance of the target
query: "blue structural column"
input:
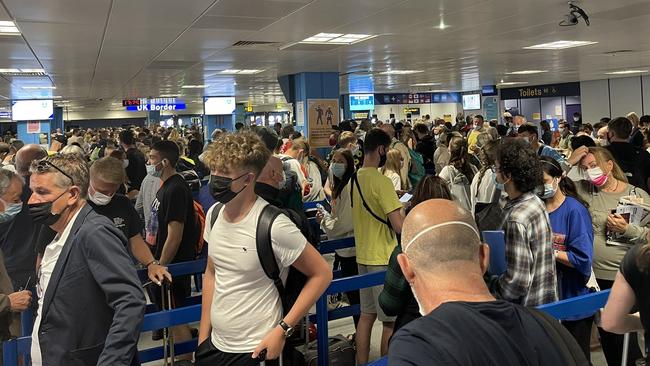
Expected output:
(211, 123)
(345, 103)
(309, 85)
(153, 118)
(57, 121)
(29, 131)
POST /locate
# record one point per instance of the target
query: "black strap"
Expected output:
(365, 204)
(564, 341)
(265, 249)
(215, 213)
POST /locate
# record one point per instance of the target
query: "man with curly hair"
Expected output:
(530, 278)
(242, 321)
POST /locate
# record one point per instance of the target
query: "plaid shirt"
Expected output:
(396, 293)
(530, 278)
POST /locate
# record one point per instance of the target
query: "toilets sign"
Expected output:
(154, 104)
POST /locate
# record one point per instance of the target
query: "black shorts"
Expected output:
(181, 288)
(214, 356)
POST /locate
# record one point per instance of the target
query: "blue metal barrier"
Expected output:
(323, 316)
(312, 205)
(576, 306)
(330, 246)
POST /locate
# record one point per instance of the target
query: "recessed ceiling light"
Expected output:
(507, 83)
(425, 84)
(439, 91)
(167, 96)
(442, 25)
(625, 72)
(9, 71)
(400, 72)
(337, 38)
(23, 72)
(559, 45)
(39, 87)
(526, 72)
(241, 71)
(8, 28)
(194, 86)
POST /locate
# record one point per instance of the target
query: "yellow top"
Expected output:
(374, 240)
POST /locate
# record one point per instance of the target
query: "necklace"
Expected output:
(615, 187)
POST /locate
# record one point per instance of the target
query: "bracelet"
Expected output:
(152, 262)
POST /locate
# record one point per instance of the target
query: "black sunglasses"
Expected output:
(44, 166)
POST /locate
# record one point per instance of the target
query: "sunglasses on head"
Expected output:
(45, 166)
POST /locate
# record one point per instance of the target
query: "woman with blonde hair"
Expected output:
(603, 189)
(636, 137)
(392, 168)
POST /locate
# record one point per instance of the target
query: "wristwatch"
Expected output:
(288, 330)
(152, 262)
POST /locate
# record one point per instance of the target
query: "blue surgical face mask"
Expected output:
(549, 191)
(153, 171)
(337, 169)
(499, 186)
(11, 210)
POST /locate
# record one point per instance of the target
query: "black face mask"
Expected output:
(220, 188)
(41, 213)
(267, 191)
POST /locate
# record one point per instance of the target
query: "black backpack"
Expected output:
(295, 279)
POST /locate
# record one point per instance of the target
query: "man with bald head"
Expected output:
(404, 151)
(463, 324)
(17, 237)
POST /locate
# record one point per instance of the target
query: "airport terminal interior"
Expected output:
(511, 109)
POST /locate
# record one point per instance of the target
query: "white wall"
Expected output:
(435, 110)
(614, 97)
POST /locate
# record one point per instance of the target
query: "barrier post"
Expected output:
(322, 335)
(10, 352)
(26, 322)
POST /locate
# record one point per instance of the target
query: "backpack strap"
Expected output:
(216, 210)
(566, 344)
(365, 204)
(265, 249)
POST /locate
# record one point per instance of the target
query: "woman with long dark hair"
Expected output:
(338, 224)
(459, 172)
(573, 239)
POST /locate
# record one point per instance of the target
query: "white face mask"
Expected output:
(99, 198)
(125, 164)
(421, 309)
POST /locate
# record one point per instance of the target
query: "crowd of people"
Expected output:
(77, 220)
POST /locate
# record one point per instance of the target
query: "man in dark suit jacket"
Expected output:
(90, 304)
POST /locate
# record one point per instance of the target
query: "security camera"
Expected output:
(574, 15)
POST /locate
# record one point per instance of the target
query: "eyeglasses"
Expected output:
(44, 166)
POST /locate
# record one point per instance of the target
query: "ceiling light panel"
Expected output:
(8, 28)
(526, 72)
(240, 71)
(337, 38)
(560, 45)
(401, 72)
(508, 83)
(39, 87)
(194, 86)
(626, 72)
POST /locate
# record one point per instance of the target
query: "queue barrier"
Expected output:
(154, 320)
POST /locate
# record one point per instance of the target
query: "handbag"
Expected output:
(341, 353)
(489, 216)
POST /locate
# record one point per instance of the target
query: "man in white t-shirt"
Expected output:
(242, 313)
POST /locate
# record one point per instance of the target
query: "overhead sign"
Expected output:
(362, 102)
(489, 90)
(542, 91)
(446, 98)
(415, 111)
(5, 115)
(413, 98)
(154, 104)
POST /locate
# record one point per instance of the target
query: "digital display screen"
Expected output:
(471, 101)
(219, 105)
(32, 110)
(362, 102)
(131, 102)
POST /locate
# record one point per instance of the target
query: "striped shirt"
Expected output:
(530, 278)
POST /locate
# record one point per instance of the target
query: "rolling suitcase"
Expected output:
(341, 353)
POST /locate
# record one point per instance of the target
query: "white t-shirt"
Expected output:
(295, 167)
(246, 304)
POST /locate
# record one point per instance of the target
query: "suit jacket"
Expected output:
(94, 304)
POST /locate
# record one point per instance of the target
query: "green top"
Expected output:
(608, 256)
